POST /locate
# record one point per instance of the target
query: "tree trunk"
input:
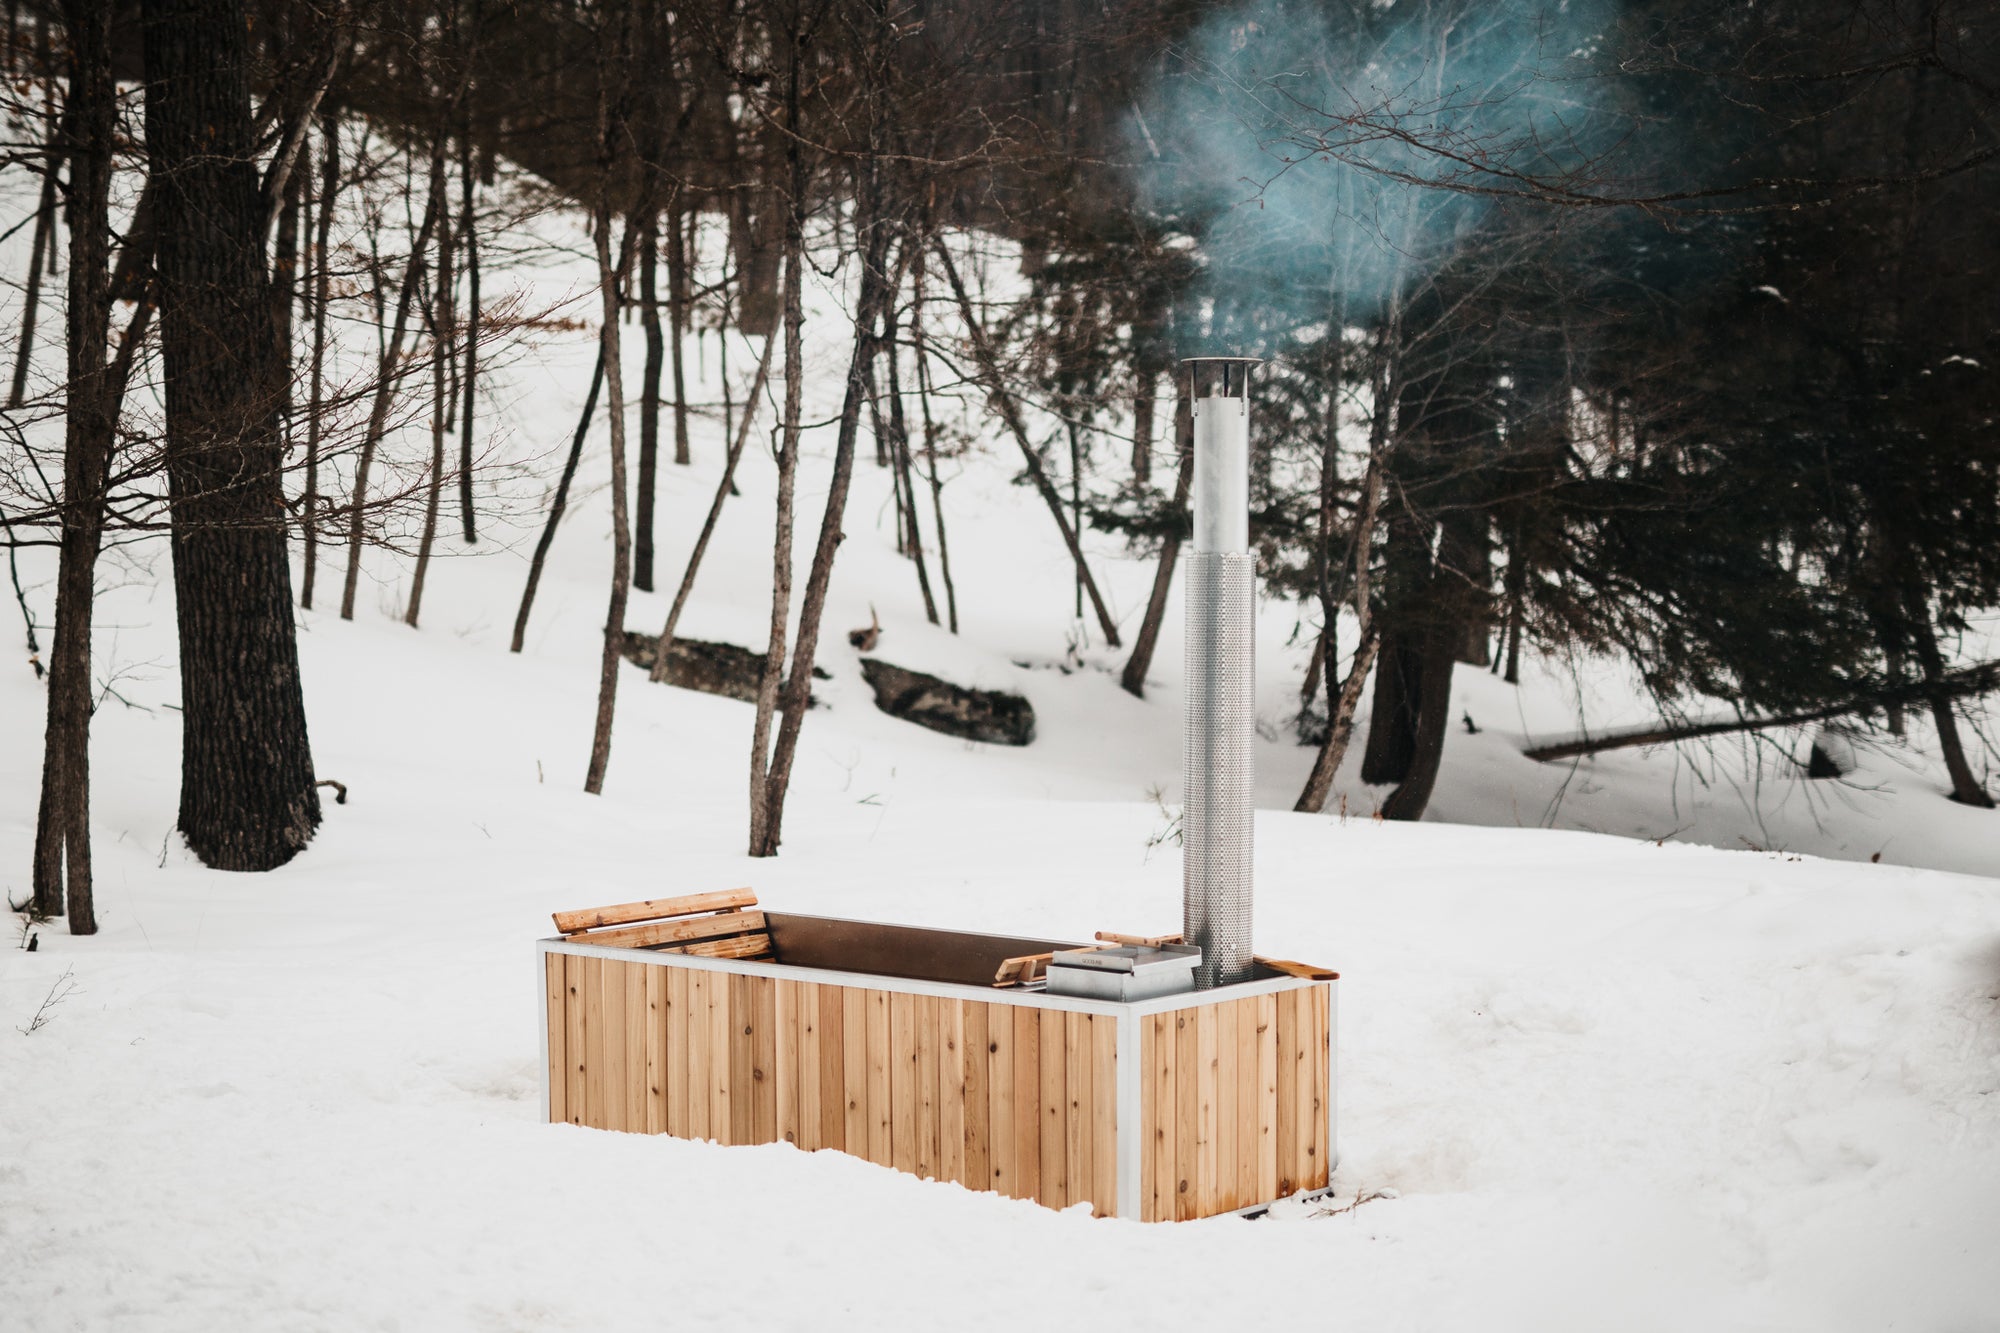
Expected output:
(444, 337)
(468, 217)
(559, 503)
(1142, 428)
(649, 400)
(322, 260)
(1148, 638)
(1965, 785)
(1433, 710)
(1341, 708)
(900, 438)
(762, 804)
(247, 796)
(678, 263)
(877, 288)
(621, 533)
(989, 366)
(45, 213)
(62, 829)
(722, 493)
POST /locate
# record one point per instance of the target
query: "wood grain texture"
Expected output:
(1267, 1096)
(589, 918)
(1027, 1102)
(952, 1093)
(1104, 1114)
(677, 1050)
(556, 1017)
(678, 932)
(854, 1070)
(1163, 1096)
(1187, 1115)
(881, 1098)
(929, 1028)
(1003, 1145)
(653, 984)
(1018, 1098)
(903, 1082)
(790, 1041)
(978, 1096)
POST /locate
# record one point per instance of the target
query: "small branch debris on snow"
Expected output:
(63, 987)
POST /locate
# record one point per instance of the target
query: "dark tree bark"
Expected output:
(649, 400)
(444, 337)
(1392, 722)
(322, 296)
(45, 214)
(679, 261)
(1965, 785)
(247, 796)
(1432, 699)
(762, 834)
(1147, 640)
(62, 827)
(930, 455)
(876, 288)
(558, 504)
(1142, 428)
(468, 217)
(1341, 707)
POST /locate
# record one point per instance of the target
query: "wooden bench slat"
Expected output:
(678, 931)
(570, 923)
(737, 946)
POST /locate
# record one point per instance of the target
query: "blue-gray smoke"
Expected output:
(1320, 155)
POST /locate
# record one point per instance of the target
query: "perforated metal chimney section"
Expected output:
(1216, 829)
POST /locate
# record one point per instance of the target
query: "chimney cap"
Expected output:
(1219, 376)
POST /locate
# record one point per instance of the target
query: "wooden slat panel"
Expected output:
(903, 1081)
(1027, 1103)
(930, 1041)
(1246, 1103)
(722, 1089)
(952, 1093)
(736, 946)
(577, 983)
(1077, 1101)
(1318, 1152)
(832, 1068)
(1187, 1115)
(1003, 1143)
(1226, 1078)
(634, 1074)
(854, 1072)
(1267, 1097)
(676, 932)
(1054, 1057)
(764, 1061)
(1104, 1114)
(604, 1034)
(655, 986)
(811, 1130)
(791, 1040)
(701, 1056)
(1289, 1051)
(677, 1051)
(1159, 1118)
(1208, 1107)
(978, 1096)
(557, 991)
(881, 1103)
(742, 1060)
(589, 918)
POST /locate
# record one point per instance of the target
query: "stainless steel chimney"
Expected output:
(1216, 854)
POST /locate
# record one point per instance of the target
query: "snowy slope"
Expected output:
(1612, 1083)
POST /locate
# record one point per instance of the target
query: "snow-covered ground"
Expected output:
(1613, 1082)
